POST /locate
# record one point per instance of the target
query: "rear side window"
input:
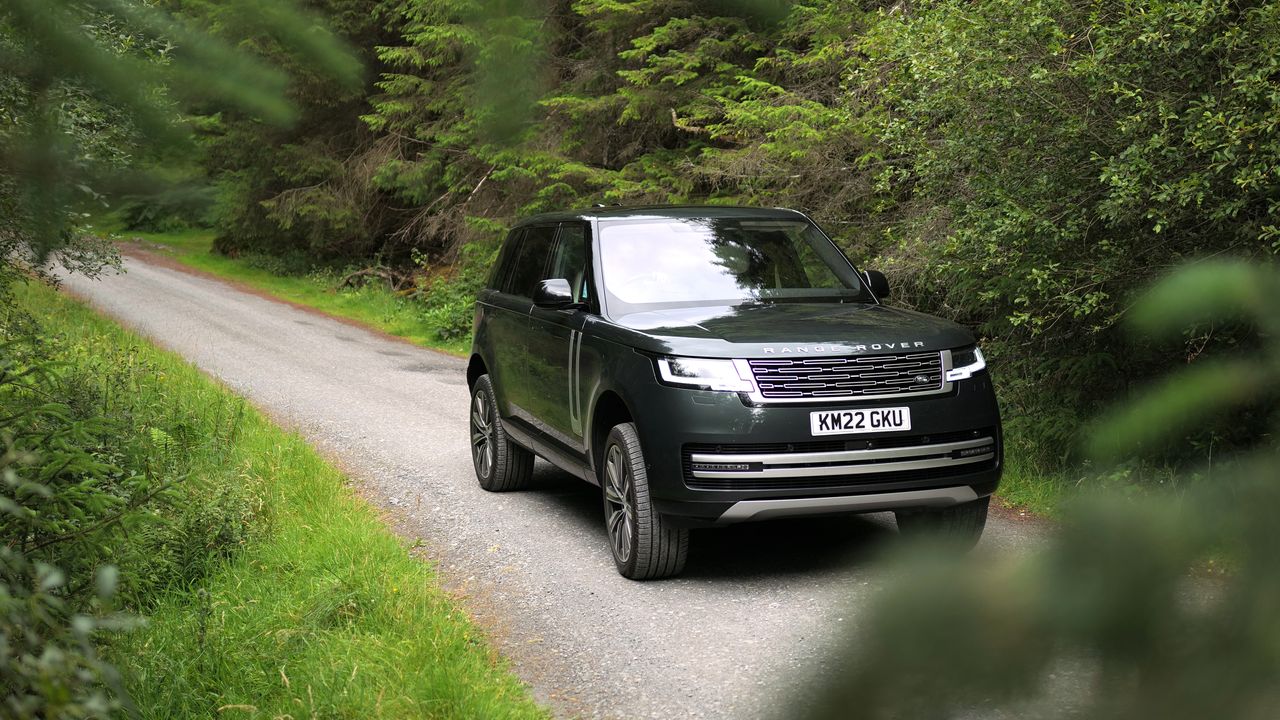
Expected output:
(530, 260)
(506, 257)
(570, 260)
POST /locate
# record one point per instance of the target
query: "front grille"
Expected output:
(851, 376)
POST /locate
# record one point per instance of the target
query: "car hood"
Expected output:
(788, 330)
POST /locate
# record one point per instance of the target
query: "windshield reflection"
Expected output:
(653, 263)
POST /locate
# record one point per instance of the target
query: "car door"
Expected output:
(496, 313)
(555, 339)
(509, 322)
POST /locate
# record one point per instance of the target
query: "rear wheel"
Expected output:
(501, 465)
(644, 545)
(961, 525)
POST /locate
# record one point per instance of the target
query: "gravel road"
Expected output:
(737, 635)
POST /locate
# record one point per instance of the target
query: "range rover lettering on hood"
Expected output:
(870, 347)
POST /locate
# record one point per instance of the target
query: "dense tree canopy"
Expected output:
(1020, 166)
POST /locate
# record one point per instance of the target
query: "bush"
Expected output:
(60, 498)
(449, 300)
(180, 207)
(99, 505)
(290, 263)
(1042, 161)
(49, 665)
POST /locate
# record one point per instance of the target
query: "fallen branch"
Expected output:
(393, 279)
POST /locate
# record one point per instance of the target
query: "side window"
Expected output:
(502, 266)
(570, 259)
(530, 260)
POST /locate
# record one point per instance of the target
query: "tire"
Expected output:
(501, 465)
(644, 545)
(960, 525)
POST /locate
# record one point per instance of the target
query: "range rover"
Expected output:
(714, 365)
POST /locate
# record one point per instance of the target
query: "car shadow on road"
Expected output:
(797, 546)
(579, 500)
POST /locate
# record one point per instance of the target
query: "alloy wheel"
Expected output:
(617, 494)
(482, 433)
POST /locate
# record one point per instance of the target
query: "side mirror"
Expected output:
(553, 294)
(877, 282)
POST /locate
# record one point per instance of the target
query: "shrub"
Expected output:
(450, 300)
(112, 490)
(59, 498)
(180, 207)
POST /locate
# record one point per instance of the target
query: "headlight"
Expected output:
(965, 362)
(706, 374)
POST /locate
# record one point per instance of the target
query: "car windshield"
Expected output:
(656, 263)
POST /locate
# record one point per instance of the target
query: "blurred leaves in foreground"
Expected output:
(1162, 606)
(87, 87)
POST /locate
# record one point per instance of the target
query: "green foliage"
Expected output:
(1021, 167)
(55, 496)
(1209, 291)
(638, 110)
(88, 86)
(1062, 150)
(450, 300)
(180, 206)
(143, 496)
(302, 187)
(254, 563)
(1045, 159)
(99, 506)
(49, 663)
(1114, 618)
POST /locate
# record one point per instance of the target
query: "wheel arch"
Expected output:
(608, 410)
(475, 368)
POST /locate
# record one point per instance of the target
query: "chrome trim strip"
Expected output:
(575, 399)
(757, 398)
(842, 455)
(832, 470)
(764, 509)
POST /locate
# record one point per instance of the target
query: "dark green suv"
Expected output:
(712, 365)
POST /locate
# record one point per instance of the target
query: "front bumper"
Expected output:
(715, 459)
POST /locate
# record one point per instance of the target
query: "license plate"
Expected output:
(845, 422)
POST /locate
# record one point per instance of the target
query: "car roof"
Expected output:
(618, 212)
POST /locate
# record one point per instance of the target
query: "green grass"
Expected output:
(373, 305)
(1032, 488)
(317, 610)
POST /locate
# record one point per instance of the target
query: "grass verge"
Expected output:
(312, 608)
(1036, 490)
(373, 305)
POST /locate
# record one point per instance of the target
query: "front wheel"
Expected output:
(501, 465)
(644, 545)
(961, 525)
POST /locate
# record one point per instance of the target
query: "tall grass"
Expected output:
(1031, 486)
(271, 590)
